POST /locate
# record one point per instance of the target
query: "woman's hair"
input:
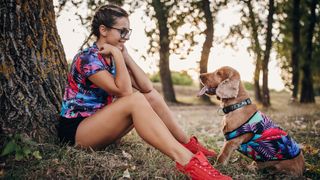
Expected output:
(105, 15)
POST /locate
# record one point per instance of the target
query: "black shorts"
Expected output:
(67, 129)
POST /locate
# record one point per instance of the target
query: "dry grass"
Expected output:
(134, 158)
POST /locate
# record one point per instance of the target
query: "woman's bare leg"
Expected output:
(161, 108)
(117, 141)
(109, 123)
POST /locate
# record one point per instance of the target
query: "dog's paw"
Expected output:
(221, 163)
(221, 160)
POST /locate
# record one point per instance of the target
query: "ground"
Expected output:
(134, 159)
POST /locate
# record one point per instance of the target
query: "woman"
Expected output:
(92, 117)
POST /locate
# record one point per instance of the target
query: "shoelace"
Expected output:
(200, 147)
(208, 168)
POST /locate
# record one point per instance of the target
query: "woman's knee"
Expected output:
(137, 97)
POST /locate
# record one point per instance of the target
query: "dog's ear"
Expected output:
(228, 88)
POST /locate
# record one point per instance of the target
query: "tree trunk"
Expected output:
(257, 50)
(307, 94)
(33, 69)
(207, 43)
(265, 89)
(295, 48)
(165, 73)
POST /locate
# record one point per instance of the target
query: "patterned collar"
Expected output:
(233, 107)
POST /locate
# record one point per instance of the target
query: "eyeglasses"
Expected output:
(124, 32)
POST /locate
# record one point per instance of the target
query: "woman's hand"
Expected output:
(125, 53)
(108, 49)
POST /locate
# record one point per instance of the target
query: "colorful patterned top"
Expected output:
(269, 142)
(82, 98)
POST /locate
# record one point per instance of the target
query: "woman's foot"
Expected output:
(199, 168)
(194, 146)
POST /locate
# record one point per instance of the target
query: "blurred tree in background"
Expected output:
(299, 30)
(292, 30)
(170, 16)
(256, 25)
(307, 92)
(266, 57)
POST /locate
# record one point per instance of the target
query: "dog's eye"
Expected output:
(219, 73)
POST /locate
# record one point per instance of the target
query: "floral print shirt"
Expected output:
(269, 142)
(82, 98)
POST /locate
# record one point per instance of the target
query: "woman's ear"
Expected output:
(228, 88)
(103, 30)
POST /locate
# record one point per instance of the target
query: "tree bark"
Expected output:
(307, 92)
(257, 50)
(165, 73)
(32, 69)
(265, 89)
(295, 51)
(207, 43)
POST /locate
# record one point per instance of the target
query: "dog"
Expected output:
(248, 130)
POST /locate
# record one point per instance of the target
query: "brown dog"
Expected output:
(248, 130)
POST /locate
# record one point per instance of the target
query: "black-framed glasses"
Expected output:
(124, 32)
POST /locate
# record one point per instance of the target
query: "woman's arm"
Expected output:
(139, 79)
(120, 85)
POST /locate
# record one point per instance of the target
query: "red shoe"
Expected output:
(199, 168)
(194, 146)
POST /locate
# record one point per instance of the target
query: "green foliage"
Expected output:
(155, 77)
(178, 78)
(248, 85)
(20, 148)
(181, 78)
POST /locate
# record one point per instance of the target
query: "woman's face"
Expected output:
(119, 33)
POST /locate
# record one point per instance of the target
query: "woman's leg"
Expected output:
(109, 124)
(118, 140)
(161, 108)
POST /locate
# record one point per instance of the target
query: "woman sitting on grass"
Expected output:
(100, 106)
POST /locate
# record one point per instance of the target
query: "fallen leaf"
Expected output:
(126, 174)
(310, 149)
(126, 155)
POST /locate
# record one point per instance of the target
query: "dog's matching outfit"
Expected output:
(269, 142)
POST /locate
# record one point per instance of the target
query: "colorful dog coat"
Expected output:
(269, 141)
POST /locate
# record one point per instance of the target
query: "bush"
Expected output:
(181, 78)
(178, 78)
(248, 85)
(155, 77)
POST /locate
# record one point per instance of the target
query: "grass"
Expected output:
(134, 159)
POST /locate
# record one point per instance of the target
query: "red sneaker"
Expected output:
(199, 168)
(194, 146)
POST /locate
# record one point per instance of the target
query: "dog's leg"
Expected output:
(227, 150)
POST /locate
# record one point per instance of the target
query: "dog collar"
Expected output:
(233, 107)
